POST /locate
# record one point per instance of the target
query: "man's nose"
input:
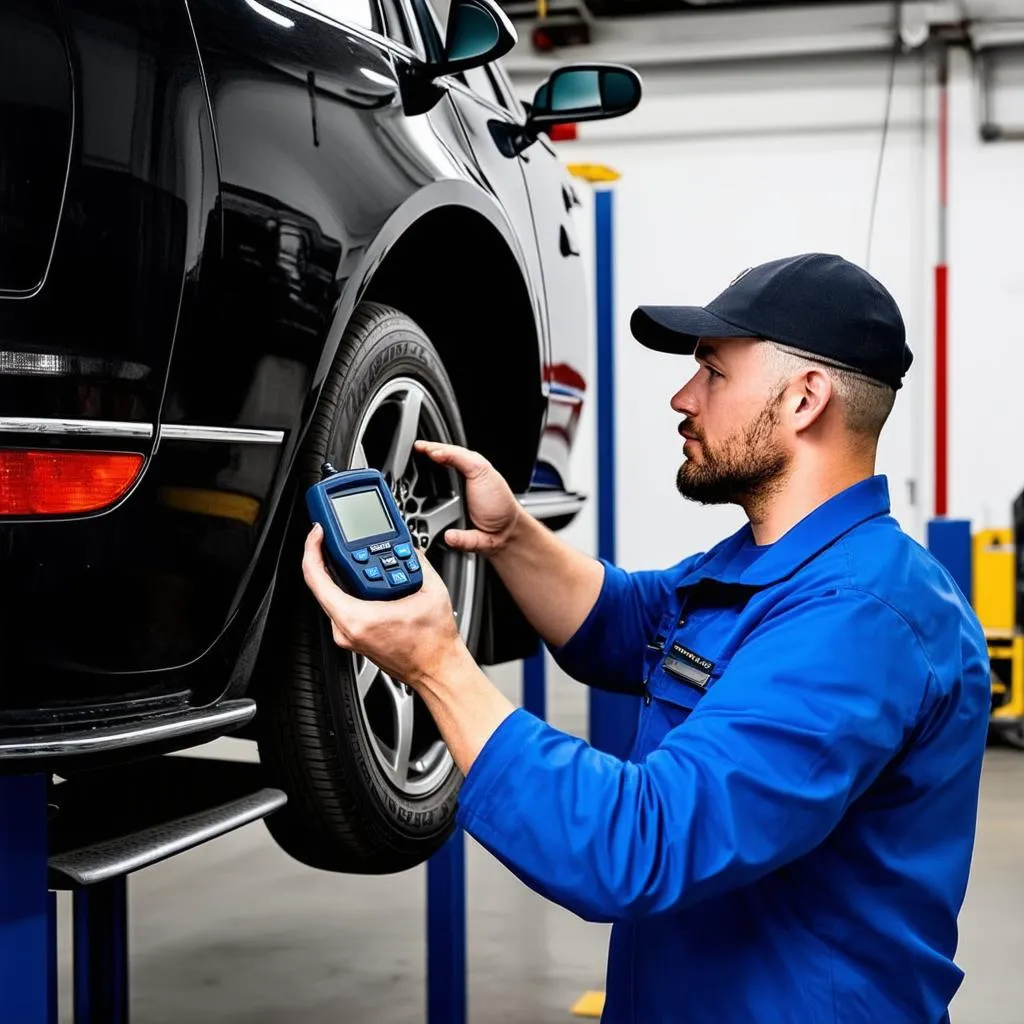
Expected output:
(683, 400)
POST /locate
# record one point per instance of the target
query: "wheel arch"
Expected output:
(449, 260)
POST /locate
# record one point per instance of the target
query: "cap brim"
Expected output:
(678, 329)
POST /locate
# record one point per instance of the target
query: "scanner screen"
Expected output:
(362, 514)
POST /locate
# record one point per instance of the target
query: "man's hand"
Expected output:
(411, 638)
(490, 504)
(415, 640)
(554, 585)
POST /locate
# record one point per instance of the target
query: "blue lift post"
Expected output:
(446, 932)
(612, 715)
(27, 912)
(104, 825)
(101, 952)
(446, 893)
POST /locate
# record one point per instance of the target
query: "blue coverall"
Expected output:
(790, 838)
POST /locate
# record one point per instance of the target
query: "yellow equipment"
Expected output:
(994, 583)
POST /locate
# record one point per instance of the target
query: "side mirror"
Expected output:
(478, 32)
(584, 92)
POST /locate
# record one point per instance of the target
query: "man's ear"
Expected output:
(811, 396)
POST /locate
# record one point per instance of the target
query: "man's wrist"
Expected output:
(464, 703)
(452, 660)
(513, 536)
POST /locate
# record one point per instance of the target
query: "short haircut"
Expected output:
(866, 402)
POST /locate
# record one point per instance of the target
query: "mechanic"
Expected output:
(790, 838)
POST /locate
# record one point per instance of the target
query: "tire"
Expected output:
(365, 797)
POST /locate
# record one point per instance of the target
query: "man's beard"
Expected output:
(743, 468)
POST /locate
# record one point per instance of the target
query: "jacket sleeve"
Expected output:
(607, 651)
(798, 726)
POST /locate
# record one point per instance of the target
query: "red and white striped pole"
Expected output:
(942, 301)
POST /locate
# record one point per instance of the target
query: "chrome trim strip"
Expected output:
(551, 504)
(115, 428)
(88, 428)
(117, 857)
(65, 740)
(188, 432)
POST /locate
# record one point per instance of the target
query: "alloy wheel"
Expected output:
(405, 741)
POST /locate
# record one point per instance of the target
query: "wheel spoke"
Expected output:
(359, 458)
(434, 751)
(401, 444)
(366, 673)
(441, 516)
(403, 730)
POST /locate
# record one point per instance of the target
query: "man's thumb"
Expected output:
(464, 540)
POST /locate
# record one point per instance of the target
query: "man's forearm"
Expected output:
(553, 584)
(466, 706)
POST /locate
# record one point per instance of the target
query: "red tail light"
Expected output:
(56, 482)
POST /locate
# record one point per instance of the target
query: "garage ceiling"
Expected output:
(649, 33)
(986, 11)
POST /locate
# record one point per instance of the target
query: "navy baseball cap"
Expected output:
(818, 303)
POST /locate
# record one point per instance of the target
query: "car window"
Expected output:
(431, 22)
(481, 82)
(504, 86)
(363, 13)
(396, 25)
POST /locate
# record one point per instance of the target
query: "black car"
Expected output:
(239, 238)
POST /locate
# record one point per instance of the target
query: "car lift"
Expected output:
(85, 835)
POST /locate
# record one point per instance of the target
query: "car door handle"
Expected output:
(565, 243)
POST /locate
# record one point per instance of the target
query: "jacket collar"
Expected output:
(823, 526)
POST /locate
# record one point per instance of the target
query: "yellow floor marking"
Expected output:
(590, 1004)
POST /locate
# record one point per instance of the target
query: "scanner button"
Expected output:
(403, 550)
(397, 577)
(412, 564)
(388, 561)
(373, 572)
(362, 555)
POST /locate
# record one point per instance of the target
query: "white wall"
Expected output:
(726, 166)
(986, 243)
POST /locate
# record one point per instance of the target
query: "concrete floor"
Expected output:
(238, 933)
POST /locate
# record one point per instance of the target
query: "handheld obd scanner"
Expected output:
(369, 545)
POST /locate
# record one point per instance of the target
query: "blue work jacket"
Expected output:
(789, 839)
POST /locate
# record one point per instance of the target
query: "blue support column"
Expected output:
(101, 953)
(446, 933)
(949, 540)
(26, 995)
(535, 683)
(612, 715)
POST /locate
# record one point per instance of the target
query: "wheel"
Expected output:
(371, 785)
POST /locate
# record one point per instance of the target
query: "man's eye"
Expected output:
(714, 373)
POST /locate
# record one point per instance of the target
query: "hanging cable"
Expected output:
(885, 126)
